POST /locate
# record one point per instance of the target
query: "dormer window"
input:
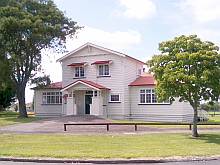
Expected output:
(79, 72)
(104, 70)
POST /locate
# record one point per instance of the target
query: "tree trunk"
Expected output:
(195, 120)
(21, 101)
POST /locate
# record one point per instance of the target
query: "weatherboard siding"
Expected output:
(175, 112)
(130, 74)
(46, 110)
(115, 82)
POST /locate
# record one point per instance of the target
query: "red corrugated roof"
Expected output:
(90, 83)
(77, 64)
(144, 81)
(56, 85)
(102, 62)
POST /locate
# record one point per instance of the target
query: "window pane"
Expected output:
(53, 99)
(142, 91)
(100, 70)
(106, 69)
(76, 71)
(82, 72)
(154, 98)
(148, 90)
(57, 99)
(48, 100)
(148, 98)
(142, 98)
(114, 97)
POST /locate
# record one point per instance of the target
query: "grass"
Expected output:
(212, 119)
(108, 146)
(8, 118)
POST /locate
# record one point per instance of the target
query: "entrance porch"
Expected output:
(85, 98)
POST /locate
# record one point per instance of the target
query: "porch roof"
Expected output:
(88, 83)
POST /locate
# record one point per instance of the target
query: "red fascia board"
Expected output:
(101, 62)
(77, 64)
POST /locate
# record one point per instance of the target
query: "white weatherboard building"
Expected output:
(103, 82)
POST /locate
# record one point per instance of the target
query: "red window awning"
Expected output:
(102, 62)
(77, 64)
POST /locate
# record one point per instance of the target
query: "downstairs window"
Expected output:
(52, 98)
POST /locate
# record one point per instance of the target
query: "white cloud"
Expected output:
(119, 40)
(139, 9)
(202, 11)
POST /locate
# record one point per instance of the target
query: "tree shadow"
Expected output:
(210, 138)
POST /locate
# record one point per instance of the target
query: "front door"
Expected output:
(88, 101)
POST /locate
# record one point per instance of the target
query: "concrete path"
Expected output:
(55, 125)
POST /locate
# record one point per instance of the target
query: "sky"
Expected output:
(133, 27)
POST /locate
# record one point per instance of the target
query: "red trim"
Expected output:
(102, 62)
(77, 64)
(95, 85)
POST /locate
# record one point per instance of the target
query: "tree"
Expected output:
(41, 81)
(27, 27)
(7, 92)
(189, 69)
(7, 96)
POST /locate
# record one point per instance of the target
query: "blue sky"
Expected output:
(135, 27)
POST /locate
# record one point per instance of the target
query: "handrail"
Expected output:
(136, 124)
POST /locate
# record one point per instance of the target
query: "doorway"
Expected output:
(88, 101)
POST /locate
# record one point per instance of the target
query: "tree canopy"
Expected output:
(187, 68)
(27, 27)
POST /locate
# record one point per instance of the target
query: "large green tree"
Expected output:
(189, 69)
(27, 27)
(7, 92)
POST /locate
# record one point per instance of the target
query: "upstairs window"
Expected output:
(148, 96)
(52, 98)
(104, 70)
(79, 72)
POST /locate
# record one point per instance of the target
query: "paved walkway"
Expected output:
(55, 125)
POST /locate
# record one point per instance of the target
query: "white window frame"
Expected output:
(113, 101)
(149, 96)
(80, 73)
(104, 70)
(51, 98)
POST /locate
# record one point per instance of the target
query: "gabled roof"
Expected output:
(98, 47)
(87, 83)
(144, 80)
(55, 85)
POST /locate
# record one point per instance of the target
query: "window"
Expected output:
(104, 70)
(148, 96)
(114, 98)
(52, 98)
(79, 72)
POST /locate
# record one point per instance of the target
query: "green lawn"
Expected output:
(8, 118)
(214, 119)
(108, 146)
